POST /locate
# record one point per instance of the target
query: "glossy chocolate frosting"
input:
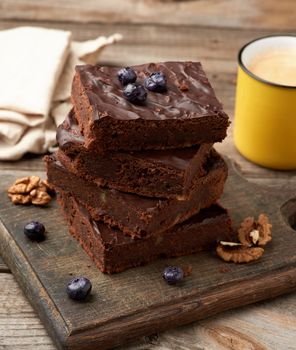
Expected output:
(69, 136)
(189, 93)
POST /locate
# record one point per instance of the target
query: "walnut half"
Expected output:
(238, 253)
(30, 189)
(254, 232)
(252, 235)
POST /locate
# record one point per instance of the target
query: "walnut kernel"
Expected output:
(19, 198)
(238, 253)
(255, 232)
(254, 235)
(41, 198)
(30, 189)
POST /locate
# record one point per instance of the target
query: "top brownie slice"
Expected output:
(186, 114)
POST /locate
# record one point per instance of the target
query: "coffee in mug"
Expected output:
(265, 108)
(275, 65)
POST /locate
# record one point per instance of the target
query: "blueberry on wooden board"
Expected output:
(35, 231)
(79, 288)
(173, 274)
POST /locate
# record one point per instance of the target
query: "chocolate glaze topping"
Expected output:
(189, 93)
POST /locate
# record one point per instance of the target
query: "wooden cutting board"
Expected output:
(138, 302)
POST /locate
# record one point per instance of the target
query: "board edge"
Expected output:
(14, 258)
(196, 307)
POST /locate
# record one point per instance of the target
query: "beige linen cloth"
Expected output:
(36, 71)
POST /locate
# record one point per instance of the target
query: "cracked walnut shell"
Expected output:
(254, 232)
(238, 253)
(30, 189)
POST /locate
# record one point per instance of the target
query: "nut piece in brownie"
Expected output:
(184, 114)
(137, 215)
(112, 251)
(165, 173)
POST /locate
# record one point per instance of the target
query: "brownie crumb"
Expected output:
(224, 269)
(183, 87)
(187, 270)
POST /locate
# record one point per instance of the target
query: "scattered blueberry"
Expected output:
(35, 231)
(126, 75)
(173, 274)
(79, 288)
(156, 82)
(135, 93)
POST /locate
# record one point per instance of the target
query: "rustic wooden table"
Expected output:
(210, 31)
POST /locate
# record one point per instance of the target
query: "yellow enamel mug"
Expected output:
(265, 111)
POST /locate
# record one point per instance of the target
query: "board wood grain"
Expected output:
(151, 42)
(21, 329)
(226, 13)
(138, 302)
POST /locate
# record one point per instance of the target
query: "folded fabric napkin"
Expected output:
(36, 70)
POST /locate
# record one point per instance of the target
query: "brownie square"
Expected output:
(165, 173)
(137, 215)
(112, 251)
(186, 114)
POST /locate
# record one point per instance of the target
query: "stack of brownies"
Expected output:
(136, 173)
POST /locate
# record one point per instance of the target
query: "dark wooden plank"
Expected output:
(240, 327)
(271, 14)
(138, 302)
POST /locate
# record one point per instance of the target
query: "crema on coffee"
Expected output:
(275, 65)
